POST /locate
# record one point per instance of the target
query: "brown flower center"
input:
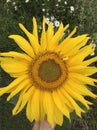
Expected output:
(48, 71)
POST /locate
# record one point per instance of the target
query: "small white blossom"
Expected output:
(43, 10)
(59, 0)
(72, 8)
(8, 1)
(64, 9)
(14, 3)
(16, 8)
(94, 45)
(92, 54)
(47, 20)
(47, 13)
(43, 4)
(56, 23)
(57, 5)
(26, 1)
(65, 2)
(52, 18)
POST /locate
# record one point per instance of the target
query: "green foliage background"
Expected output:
(84, 16)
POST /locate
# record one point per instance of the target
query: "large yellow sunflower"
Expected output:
(51, 74)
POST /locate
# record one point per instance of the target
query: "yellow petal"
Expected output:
(87, 71)
(81, 89)
(35, 106)
(90, 61)
(23, 101)
(65, 44)
(49, 107)
(16, 55)
(50, 32)
(19, 100)
(23, 44)
(16, 75)
(57, 37)
(33, 40)
(53, 113)
(70, 44)
(13, 84)
(42, 110)
(81, 79)
(58, 116)
(19, 88)
(72, 33)
(60, 104)
(82, 54)
(14, 65)
(76, 96)
(65, 100)
(29, 111)
(43, 40)
(77, 47)
(76, 68)
(35, 33)
(77, 109)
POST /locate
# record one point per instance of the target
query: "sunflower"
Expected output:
(51, 74)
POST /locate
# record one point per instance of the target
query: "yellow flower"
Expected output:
(51, 75)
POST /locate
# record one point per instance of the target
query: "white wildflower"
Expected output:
(43, 10)
(94, 45)
(92, 54)
(26, 1)
(56, 23)
(65, 2)
(8, 1)
(16, 8)
(52, 18)
(47, 20)
(57, 5)
(14, 3)
(72, 8)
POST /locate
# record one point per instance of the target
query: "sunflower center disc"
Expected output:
(49, 71)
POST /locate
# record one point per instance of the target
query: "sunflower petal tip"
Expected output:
(34, 19)
(67, 25)
(13, 112)
(11, 36)
(75, 28)
(61, 24)
(44, 19)
(68, 116)
(8, 99)
(20, 25)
